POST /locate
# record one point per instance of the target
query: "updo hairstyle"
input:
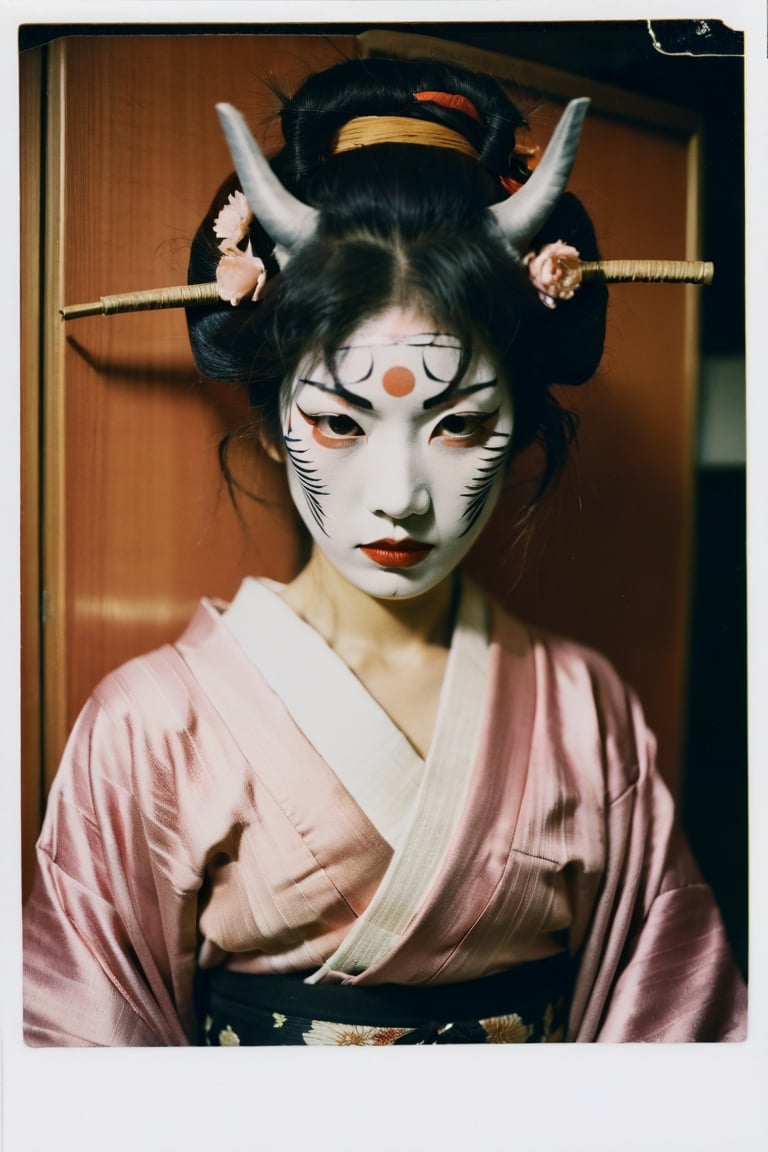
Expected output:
(404, 225)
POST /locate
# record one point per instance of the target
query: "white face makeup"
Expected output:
(393, 468)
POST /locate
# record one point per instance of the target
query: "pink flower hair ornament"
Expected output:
(232, 223)
(240, 275)
(555, 272)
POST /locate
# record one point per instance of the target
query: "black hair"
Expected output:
(404, 224)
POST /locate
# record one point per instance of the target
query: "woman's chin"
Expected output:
(395, 583)
(358, 572)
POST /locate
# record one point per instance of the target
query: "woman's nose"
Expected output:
(404, 501)
(397, 487)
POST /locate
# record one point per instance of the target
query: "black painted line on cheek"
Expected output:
(480, 486)
(310, 479)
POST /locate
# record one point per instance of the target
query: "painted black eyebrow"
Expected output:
(338, 389)
(446, 394)
(419, 340)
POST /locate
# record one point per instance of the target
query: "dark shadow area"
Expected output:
(714, 804)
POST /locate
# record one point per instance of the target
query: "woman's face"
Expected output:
(393, 468)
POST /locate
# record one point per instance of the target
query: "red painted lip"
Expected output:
(397, 553)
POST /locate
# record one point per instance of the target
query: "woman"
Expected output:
(369, 806)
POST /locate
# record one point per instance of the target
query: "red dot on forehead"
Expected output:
(398, 381)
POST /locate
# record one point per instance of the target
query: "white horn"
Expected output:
(287, 220)
(521, 216)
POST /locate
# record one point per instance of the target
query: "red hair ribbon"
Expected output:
(451, 100)
(463, 104)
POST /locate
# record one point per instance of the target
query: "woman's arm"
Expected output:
(109, 946)
(656, 965)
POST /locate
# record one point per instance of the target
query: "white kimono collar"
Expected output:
(348, 728)
(415, 805)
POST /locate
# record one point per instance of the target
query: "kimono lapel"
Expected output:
(351, 732)
(418, 859)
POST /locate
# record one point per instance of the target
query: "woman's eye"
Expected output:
(338, 425)
(458, 425)
(332, 429)
(461, 425)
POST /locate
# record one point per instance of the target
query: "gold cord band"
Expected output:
(366, 130)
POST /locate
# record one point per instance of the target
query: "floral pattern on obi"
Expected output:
(265, 1027)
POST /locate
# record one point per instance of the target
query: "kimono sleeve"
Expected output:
(109, 945)
(657, 965)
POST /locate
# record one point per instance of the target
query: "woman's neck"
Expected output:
(348, 618)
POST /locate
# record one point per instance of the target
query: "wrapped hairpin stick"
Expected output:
(591, 271)
(181, 296)
(647, 271)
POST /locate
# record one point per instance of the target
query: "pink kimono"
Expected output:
(238, 798)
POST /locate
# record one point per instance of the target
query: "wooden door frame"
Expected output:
(31, 69)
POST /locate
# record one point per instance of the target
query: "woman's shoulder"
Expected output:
(159, 682)
(582, 700)
(146, 719)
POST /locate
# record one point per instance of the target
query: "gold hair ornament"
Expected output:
(181, 296)
(647, 271)
(592, 271)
